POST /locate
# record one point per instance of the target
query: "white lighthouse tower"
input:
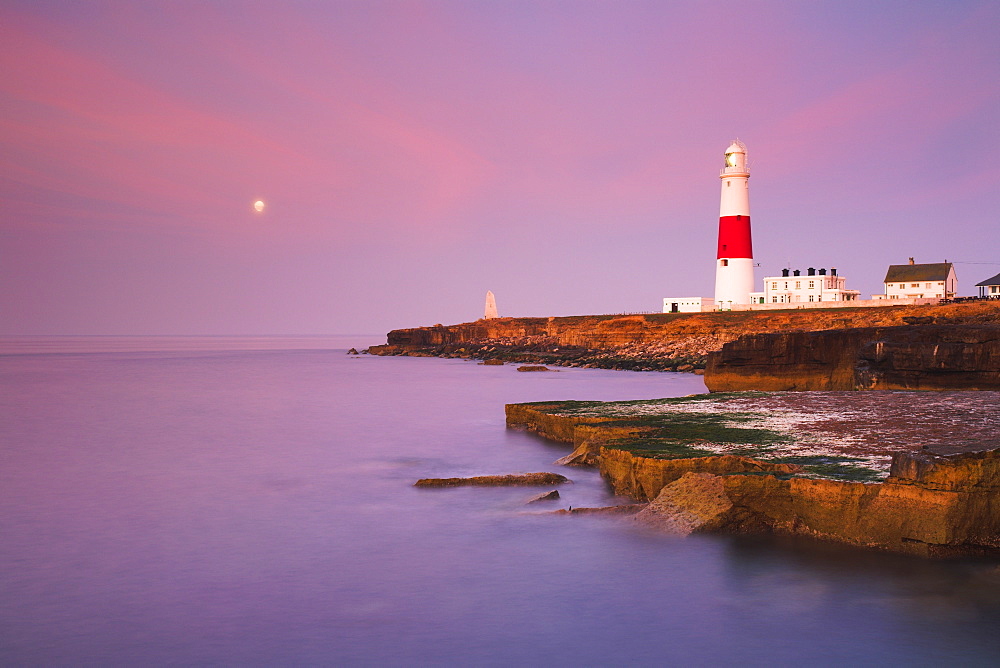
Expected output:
(734, 261)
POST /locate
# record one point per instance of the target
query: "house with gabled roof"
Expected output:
(936, 280)
(990, 287)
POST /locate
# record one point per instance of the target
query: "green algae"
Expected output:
(617, 408)
(708, 431)
(835, 467)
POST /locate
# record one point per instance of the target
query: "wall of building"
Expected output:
(916, 289)
(989, 291)
(946, 289)
(807, 288)
(688, 304)
(856, 303)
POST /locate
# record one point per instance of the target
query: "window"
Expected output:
(725, 263)
(810, 297)
(774, 285)
(927, 286)
(798, 285)
(774, 299)
(786, 285)
(914, 285)
(888, 285)
(811, 284)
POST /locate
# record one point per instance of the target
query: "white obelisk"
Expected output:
(491, 306)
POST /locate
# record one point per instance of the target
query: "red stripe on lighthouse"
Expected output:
(734, 237)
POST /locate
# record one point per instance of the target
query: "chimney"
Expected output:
(911, 260)
(822, 272)
(796, 272)
(812, 271)
(784, 272)
(833, 271)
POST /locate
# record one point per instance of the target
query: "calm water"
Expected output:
(185, 503)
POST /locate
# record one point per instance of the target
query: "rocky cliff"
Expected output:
(949, 506)
(930, 504)
(913, 357)
(678, 341)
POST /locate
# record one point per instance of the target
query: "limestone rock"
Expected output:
(694, 502)
(917, 357)
(584, 455)
(642, 478)
(533, 417)
(658, 341)
(970, 472)
(932, 504)
(544, 496)
(588, 439)
(495, 480)
(627, 509)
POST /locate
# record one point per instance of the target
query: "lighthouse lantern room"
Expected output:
(734, 260)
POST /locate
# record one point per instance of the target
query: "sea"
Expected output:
(203, 501)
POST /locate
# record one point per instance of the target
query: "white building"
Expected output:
(794, 288)
(990, 287)
(920, 281)
(688, 304)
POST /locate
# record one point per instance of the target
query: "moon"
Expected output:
(258, 206)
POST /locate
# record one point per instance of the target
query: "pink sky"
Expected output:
(414, 155)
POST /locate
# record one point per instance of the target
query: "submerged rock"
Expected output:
(627, 509)
(533, 367)
(495, 480)
(544, 496)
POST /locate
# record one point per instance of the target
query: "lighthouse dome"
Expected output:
(736, 147)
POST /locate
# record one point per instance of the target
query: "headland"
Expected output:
(660, 341)
(913, 472)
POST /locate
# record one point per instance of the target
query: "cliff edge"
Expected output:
(914, 357)
(798, 464)
(655, 341)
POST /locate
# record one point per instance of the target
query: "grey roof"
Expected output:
(989, 281)
(901, 273)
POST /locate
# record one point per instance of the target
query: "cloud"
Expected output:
(334, 150)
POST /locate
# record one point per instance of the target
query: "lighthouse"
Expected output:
(734, 261)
